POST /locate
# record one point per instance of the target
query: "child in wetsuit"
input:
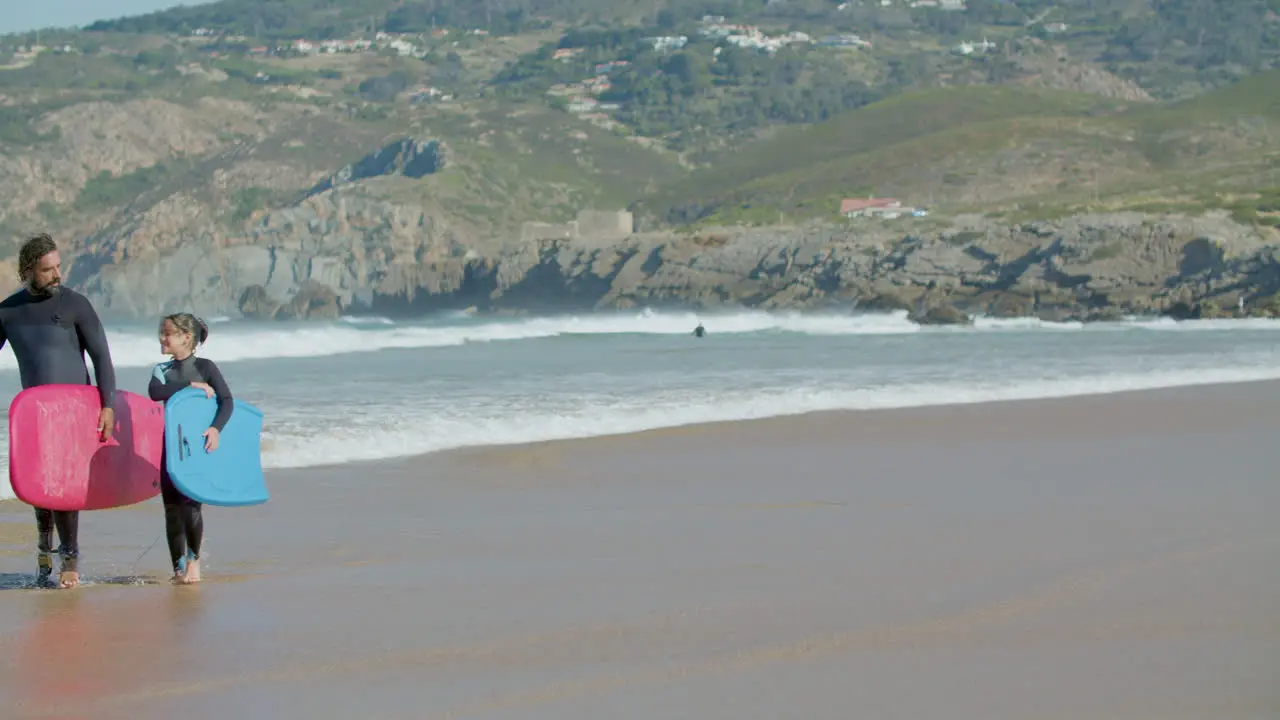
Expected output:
(180, 334)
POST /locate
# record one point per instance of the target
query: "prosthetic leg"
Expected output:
(44, 547)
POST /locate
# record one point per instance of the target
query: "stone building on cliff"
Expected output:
(591, 225)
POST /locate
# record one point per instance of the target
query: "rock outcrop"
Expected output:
(1046, 64)
(312, 301)
(336, 252)
(406, 157)
(256, 304)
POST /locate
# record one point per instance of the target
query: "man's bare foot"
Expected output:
(193, 572)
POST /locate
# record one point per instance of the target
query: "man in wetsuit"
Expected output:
(50, 327)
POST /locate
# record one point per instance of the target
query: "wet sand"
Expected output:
(1101, 557)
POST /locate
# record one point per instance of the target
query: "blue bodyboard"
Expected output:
(230, 476)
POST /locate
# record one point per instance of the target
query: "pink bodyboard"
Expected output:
(57, 459)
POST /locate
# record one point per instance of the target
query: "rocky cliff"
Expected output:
(1087, 267)
(334, 253)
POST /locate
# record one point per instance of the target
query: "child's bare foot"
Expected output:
(193, 572)
(68, 574)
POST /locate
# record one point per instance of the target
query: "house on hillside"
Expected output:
(968, 48)
(859, 207)
(608, 67)
(667, 43)
(845, 40)
(427, 94)
(886, 208)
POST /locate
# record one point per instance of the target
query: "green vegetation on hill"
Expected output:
(709, 94)
(1169, 46)
(776, 128)
(1255, 96)
(105, 191)
(866, 132)
(1180, 41)
(326, 19)
(86, 72)
(514, 163)
(18, 126)
(964, 143)
(701, 96)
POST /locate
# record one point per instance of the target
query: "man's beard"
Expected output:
(44, 290)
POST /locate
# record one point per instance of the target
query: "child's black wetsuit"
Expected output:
(183, 521)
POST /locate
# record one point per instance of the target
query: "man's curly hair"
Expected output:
(32, 250)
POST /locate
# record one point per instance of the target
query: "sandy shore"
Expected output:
(1101, 557)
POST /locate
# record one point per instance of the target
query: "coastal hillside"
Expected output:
(1004, 151)
(299, 158)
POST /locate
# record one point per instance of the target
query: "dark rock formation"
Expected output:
(941, 314)
(256, 304)
(313, 301)
(407, 156)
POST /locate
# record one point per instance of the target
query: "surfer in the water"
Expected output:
(50, 328)
(180, 334)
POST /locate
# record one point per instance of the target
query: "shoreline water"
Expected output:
(781, 424)
(1088, 557)
(780, 427)
(134, 345)
(414, 388)
(764, 426)
(801, 405)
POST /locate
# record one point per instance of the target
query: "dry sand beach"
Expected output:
(1110, 557)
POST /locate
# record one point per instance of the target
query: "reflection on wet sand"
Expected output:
(77, 647)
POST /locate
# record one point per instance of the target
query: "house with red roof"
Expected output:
(859, 207)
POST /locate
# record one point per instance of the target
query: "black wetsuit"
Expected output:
(183, 521)
(50, 335)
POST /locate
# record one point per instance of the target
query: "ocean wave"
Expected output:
(414, 433)
(1217, 324)
(230, 343)
(983, 322)
(366, 320)
(243, 341)
(233, 341)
